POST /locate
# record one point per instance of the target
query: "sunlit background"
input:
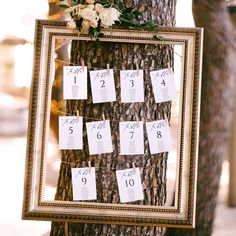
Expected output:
(17, 20)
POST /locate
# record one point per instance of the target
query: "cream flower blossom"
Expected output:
(94, 24)
(98, 7)
(86, 24)
(91, 6)
(108, 16)
(89, 14)
(71, 25)
(90, 1)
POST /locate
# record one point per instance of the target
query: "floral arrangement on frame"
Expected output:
(93, 15)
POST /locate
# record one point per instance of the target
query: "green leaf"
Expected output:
(63, 6)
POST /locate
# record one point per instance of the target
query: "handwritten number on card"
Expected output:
(159, 135)
(132, 83)
(71, 130)
(99, 136)
(129, 182)
(102, 83)
(84, 180)
(163, 82)
(132, 134)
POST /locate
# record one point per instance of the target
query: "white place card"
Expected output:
(103, 86)
(70, 132)
(131, 138)
(132, 86)
(99, 137)
(74, 82)
(129, 185)
(159, 136)
(84, 184)
(163, 85)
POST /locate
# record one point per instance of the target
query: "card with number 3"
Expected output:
(132, 86)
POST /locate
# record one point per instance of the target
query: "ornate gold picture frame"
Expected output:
(186, 44)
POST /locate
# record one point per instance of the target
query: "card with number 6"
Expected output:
(70, 132)
(159, 136)
(99, 137)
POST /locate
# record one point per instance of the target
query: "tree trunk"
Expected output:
(218, 89)
(120, 56)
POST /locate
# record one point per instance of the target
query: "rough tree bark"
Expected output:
(218, 88)
(120, 56)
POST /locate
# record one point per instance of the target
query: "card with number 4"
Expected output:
(103, 86)
(159, 136)
(131, 138)
(70, 132)
(74, 82)
(132, 86)
(84, 184)
(99, 137)
(163, 85)
(129, 185)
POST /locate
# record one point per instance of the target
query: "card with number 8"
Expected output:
(159, 136)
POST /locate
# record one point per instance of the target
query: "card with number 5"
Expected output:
(70, 132)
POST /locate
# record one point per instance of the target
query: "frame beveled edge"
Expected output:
(28, 214)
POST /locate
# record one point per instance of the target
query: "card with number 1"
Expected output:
(74, 82)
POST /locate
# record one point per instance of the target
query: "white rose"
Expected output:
(108, 17)
(91, 6)
(94, 24)
(98, 7)
(71, 25)
(86, 24)
(90, 1)
(88, 14)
